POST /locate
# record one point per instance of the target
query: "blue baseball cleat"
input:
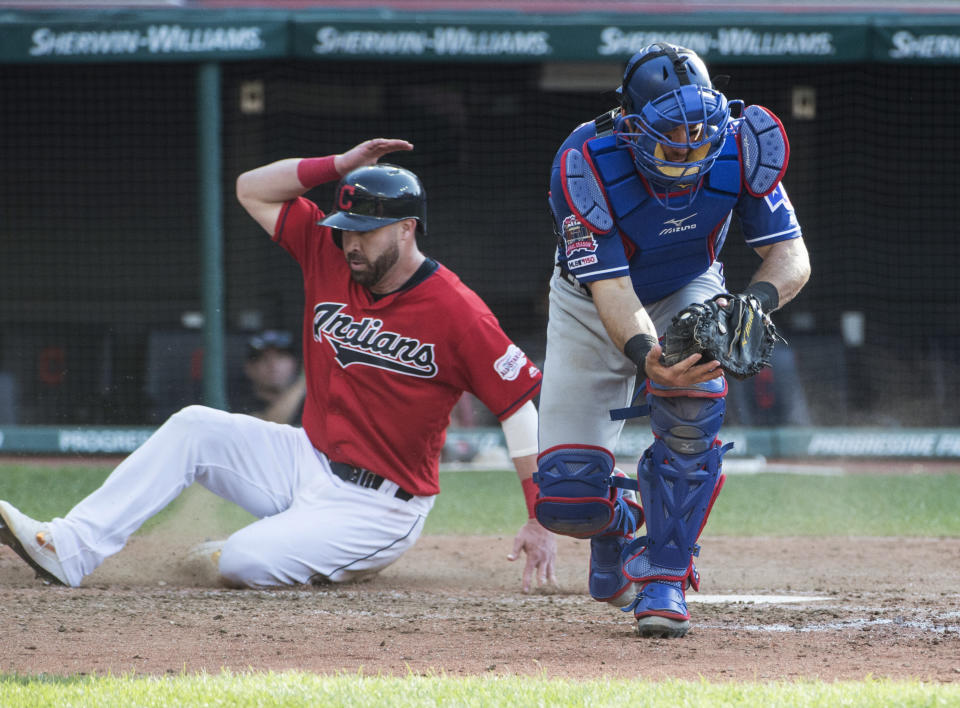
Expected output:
(661, 610)
(607, 582)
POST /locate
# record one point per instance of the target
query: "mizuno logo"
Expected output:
(366, 342)
(679, 222)
(673, 226)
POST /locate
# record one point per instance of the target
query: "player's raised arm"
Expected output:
(262, 191)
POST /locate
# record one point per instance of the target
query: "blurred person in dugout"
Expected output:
(276, 382)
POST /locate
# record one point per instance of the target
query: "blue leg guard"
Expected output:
(578, 490)
(581, 495)
(678, 477)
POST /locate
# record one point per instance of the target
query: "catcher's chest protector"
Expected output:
(667, 248)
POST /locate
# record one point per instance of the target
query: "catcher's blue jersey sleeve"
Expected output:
(587, 255)
(766, 220)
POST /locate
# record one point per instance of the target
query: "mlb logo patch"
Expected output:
(576, 237)
(575, 263)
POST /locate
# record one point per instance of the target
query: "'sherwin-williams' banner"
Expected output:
(575, 42)
(189, 35)
(140, 36)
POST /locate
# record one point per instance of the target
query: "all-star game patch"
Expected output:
(576, 237)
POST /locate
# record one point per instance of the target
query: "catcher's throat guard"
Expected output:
(578, 490)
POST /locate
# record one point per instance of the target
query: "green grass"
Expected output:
(302, 689)
(490, 502)
(859, 505)
(44, 492)
(749, 505)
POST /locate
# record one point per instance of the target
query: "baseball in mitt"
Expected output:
(738, 335)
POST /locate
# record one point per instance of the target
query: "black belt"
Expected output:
(364, 478)
(572, 279)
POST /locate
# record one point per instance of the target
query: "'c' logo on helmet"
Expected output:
(346, 194)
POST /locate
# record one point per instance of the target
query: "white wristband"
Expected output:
(520, 431)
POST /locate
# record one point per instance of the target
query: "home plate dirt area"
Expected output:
(769, 609)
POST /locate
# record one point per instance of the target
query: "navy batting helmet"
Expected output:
(376, 195)
(666, 87)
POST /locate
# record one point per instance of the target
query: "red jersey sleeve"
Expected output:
(296, 225)
(498, 372)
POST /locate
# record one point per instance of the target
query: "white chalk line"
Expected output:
(753, 599)
(759, 465)
(856, 623)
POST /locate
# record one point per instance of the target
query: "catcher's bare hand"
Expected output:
(540, 547)
(368, 152)
(684, 373)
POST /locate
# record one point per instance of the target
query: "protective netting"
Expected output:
(100, 254)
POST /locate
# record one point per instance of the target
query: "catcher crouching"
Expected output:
(642, 199)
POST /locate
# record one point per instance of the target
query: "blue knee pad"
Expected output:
(679, 477)
(578, 490)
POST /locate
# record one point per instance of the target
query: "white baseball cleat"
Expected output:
(33, 542)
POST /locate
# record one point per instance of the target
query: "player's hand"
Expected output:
(367, 153)
(541, 548)
(683, 374)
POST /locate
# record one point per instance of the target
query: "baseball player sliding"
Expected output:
(642, 198)
(391, 340)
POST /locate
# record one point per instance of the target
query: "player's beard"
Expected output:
(376, 270)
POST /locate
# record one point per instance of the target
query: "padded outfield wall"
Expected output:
(120, 237)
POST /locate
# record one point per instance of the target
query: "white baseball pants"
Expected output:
(311, 523)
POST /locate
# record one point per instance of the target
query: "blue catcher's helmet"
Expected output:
(666, 87)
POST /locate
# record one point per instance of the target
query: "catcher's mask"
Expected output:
(666, 87)
(376, 195)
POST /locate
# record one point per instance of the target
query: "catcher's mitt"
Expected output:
(738, 335)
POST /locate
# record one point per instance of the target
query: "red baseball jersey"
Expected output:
(383, 374)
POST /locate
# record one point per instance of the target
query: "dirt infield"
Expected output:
(874, 607)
